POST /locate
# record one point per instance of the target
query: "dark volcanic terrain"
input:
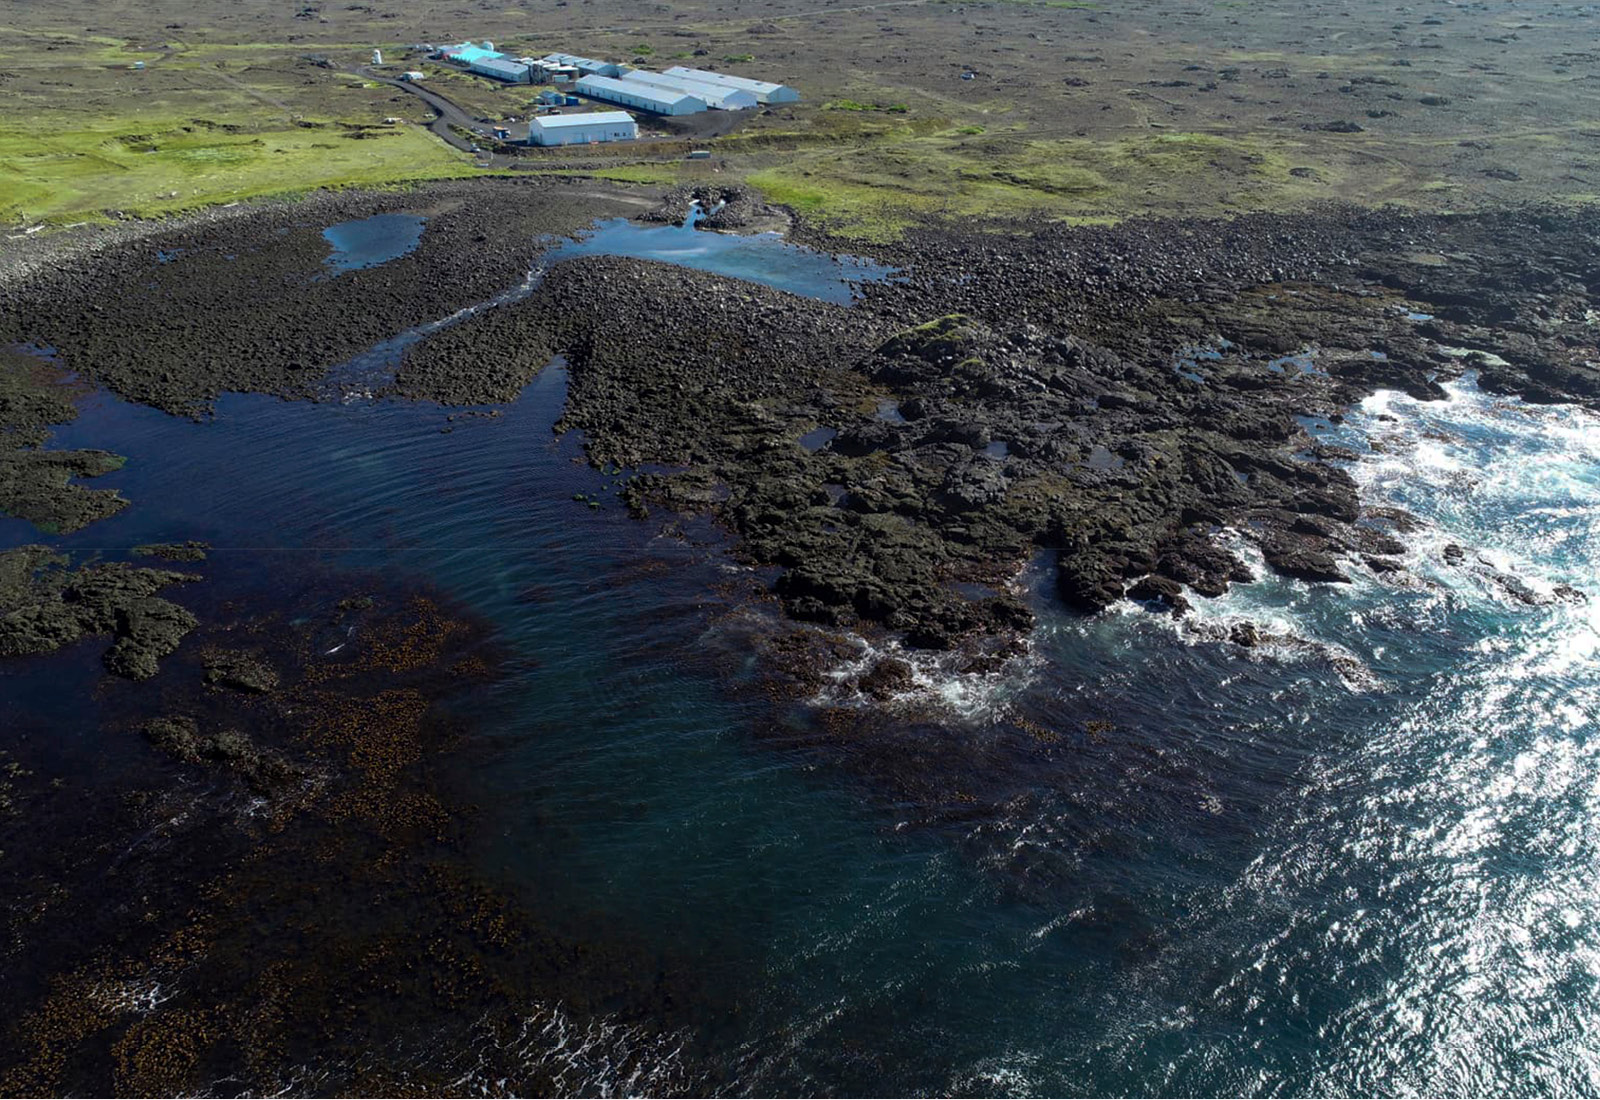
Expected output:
(1120, 395)
(1144, 256)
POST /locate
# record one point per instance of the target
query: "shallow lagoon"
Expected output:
(760, 258)
(369, 242)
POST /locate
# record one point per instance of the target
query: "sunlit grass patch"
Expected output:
(67, 174)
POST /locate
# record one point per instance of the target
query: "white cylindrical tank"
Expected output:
(488, 45)
(377, 57)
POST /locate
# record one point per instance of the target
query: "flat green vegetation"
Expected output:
(64, 175)
(86, 135)
(875, 188)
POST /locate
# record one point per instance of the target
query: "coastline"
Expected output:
(1129, 395)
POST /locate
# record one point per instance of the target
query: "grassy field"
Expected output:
(64, 175)
(86, 135)
(874, 188)
(913, 109)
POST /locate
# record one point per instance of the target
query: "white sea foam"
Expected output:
(1447, 871)
(938, 678)
(597, 1057)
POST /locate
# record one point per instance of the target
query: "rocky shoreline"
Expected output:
(1116, 395)
(1130, 404)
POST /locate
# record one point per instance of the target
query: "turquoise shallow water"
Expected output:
(1362, 864)
(762, 258)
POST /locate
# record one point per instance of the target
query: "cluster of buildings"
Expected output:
(675, 91)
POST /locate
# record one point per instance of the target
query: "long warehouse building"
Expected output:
(502, 68)
(587, 66)
(467, 53)
(582, 129)
(763, 91)
(645, 97)
(717, 98)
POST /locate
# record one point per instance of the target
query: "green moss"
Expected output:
(940, 340)
(852, 105)
(872, 187)
(61, 175)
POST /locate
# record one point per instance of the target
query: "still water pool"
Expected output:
(759, 258)
(369, 242)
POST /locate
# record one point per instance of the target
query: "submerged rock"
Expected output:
(184, 739)
(45, 605)
(888, 678)
(39, 485)
(239, 671)
(173, 551)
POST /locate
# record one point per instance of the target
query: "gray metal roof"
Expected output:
(763, 90)
(511, 70)
(583, 64)
(662, 100)
(726, 98)
(593, 118)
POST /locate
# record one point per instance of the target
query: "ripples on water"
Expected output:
(1238, 874)
(1419, 909)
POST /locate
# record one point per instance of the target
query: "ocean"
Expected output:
(1360, 857)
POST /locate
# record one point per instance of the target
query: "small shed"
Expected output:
(582, 129)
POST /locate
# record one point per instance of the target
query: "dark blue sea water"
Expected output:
(1366, 861)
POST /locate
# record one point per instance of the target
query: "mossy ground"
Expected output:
(874, 189)
(911, 110)
(86, 134)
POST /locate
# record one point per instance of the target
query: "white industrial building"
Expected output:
(587, 66)
(582, 129)
(645, 97)
(761, 89)
(501, 68)
(717, 98)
